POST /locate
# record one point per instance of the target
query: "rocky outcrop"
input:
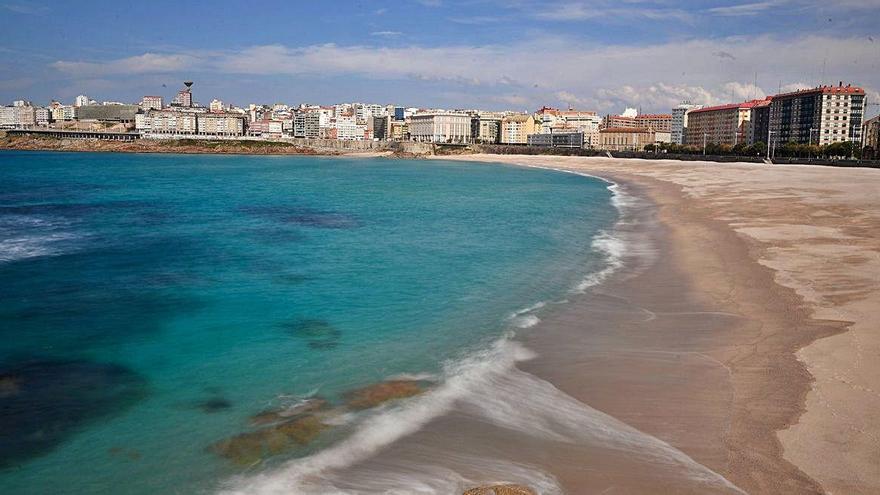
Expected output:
(380, 393)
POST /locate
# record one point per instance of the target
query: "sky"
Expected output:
(600, 55)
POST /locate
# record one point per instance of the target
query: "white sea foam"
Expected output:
(23, 247)
(488, 385)
(415, 377)
(526, 321)
(387, 425)
(28, 236)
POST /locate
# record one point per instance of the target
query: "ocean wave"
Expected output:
(29, 236)
(488, 385)
(24, 247)
(386, 426)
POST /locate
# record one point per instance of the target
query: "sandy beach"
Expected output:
(749, 343)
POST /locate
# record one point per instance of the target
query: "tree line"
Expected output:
(792, 149)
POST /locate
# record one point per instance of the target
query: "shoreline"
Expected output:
(732, 232)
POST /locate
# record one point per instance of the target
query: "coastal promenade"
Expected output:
(792, 252)
(63, 134)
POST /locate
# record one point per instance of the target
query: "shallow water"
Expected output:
(186, 294)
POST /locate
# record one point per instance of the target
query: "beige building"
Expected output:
(722, 124)
(515, 129)
(625, 138)
(168, 122)
(440, 127)
(659, 122)
(220, 124)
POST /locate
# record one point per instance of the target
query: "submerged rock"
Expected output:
(286, 413)
(379, 393)
(319, 334)
(501, 490)
(214, 404)
(251, 447)
(42, 402)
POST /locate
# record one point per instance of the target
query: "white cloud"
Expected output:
(387, 34)
(25, 8)
(746, 9)
(140, 64)
(654, 76)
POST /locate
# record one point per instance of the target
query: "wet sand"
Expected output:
(749, 344)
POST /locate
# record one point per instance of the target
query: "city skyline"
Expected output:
(441, 53)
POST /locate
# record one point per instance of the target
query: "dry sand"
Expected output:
(792, 253)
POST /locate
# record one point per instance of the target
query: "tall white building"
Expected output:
(679, 121)
(81, 101)
(216, 105)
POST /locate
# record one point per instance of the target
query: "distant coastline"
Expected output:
(395, 149)
(184, 146)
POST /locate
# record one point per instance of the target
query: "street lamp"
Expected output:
(809, 149)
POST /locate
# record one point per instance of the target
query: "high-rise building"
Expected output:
(680, 121)
(759, 122)
(821, 115)
(81, 101)
(184, 96)
(307, 124)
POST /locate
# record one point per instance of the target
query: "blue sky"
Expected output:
(598, 55)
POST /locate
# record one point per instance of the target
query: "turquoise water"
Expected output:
(151, 304)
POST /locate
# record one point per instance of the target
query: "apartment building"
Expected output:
(759, 122)
(220, 124)
(307, 124)
(679, 125)
(486, 127)
(871, 137)
(720, 124)
(586, 123)
(821, 115)
(515, 129)
(152, 102)
(167, 122)
(659, 122)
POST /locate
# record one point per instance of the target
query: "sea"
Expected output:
(162, 316)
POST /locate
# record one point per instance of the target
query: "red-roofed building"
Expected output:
(721, 124)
